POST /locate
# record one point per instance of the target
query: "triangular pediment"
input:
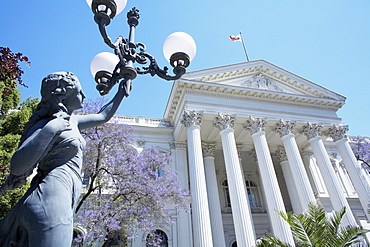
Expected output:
(261, 76)
(251, 87)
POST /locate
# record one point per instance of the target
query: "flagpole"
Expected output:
(245, 50)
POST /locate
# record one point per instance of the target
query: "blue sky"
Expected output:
(326, 42)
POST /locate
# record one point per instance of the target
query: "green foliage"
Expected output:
(13, 118)
(270, 241)
(8, 145)
(10, 198)
(11, 127)
(8, 100)
(15, 121)
(315, 229)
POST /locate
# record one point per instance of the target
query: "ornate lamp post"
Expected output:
(108, 69)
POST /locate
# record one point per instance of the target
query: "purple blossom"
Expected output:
(361, 148)
(126, 190)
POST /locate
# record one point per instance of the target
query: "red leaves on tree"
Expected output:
(10, 71)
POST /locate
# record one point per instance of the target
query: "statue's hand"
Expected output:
(59, 123)
(13, 182)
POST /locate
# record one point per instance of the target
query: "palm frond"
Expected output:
(334, 222)
(351, 235)
(298, 229)
(315, 229)
(270, 240)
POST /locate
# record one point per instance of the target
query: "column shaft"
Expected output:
(200, 209)
(355, 172)
(332, 184)
(292, 189)
(296, 166)
(300, 178)
(214, 202)
(244, 228)
(271, 188)
(184, 237)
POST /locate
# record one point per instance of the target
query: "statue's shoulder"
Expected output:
(37, 126)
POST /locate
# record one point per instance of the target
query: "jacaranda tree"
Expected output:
(361, 149)
(125, 190)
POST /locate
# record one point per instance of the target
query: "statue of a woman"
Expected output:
(52, 142)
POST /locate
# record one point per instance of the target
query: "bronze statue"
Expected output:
(51, 142)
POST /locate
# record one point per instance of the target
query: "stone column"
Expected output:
(289, 181)
(239, 149)
(200, 210)
(296, 166)
(213, 195)
(354, 169)
(338, 201)
(342, 175)
(184, 237)
(243, 222)
(314, 175)
(274, 199)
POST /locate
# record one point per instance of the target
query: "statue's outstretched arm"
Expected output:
(106, 113)
(32, 149)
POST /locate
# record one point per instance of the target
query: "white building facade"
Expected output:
(248, 140)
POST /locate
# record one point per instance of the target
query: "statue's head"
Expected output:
(60, 92)
(57, 88)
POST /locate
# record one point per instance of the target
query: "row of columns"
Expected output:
(206, 211)
(280, 227)
(354, 169)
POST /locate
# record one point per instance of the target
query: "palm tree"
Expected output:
(315, 229)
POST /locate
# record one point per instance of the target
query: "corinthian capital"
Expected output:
(191, 118)
(224, 121)
(281, 154)
(239, 148)
(253, 153)
(284, 127)
(311, 130)
(208, 149)
(336, 132)
(255, 125)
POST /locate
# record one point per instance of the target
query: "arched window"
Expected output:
(253, 194)
(159, 237)
(234, 244)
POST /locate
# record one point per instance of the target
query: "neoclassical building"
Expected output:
(248, 140)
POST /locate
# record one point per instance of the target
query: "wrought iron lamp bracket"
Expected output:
(126, 50)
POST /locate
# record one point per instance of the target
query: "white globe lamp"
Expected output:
(179, 43)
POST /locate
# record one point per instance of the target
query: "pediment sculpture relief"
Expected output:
(260, 81)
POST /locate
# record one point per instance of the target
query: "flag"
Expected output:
(236, 38)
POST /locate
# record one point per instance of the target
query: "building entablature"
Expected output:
(210, 133)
